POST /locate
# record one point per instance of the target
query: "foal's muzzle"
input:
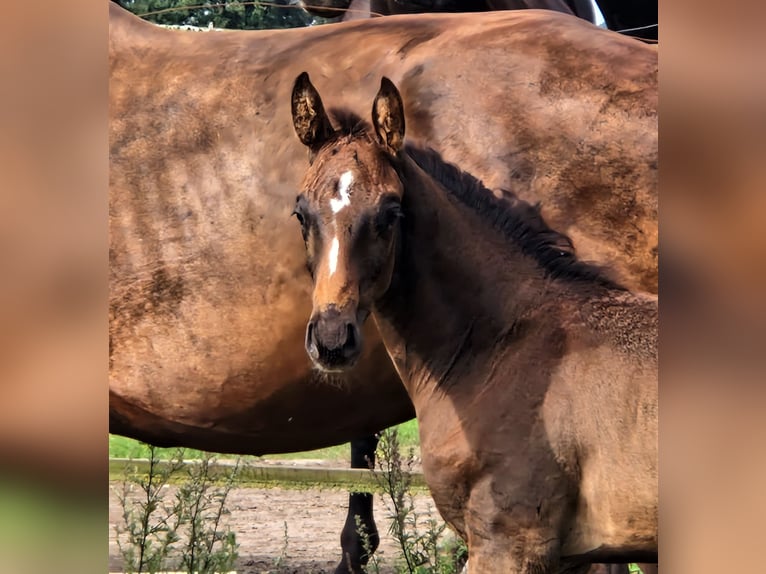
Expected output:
(333, 340)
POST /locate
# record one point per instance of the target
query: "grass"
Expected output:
(121, 447)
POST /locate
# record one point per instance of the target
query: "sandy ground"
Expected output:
(313, 518)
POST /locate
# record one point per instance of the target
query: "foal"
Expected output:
(534, 377)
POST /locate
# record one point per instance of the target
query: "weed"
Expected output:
(150, 523)
(186, 527)
(280, 560)
(208, 549)
(423, 541)
(373, 566)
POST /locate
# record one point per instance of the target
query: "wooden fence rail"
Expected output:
(257, 473)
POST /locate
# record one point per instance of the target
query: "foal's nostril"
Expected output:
(310, 332)
(351, 346)
(332, 342)
(311, 344)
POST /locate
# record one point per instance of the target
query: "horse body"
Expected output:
(533, 375)
(515, 450)
(201, 182)
(209, 293)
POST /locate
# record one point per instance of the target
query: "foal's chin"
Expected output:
(334, 367)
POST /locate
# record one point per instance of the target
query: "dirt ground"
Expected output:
(313, 518)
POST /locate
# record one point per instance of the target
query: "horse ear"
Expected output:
(388, 116)
(309, 118)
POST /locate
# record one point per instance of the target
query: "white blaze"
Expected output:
(345, 182)
(336, 205)
(334, 247)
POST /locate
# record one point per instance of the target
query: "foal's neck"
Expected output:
(459, 284)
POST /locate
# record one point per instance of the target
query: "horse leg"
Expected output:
(591, 569)
(499, 556)
(624, 569)
(488, 564)
(621, 569)
(359, 504)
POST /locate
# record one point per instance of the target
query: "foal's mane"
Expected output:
(519, 221)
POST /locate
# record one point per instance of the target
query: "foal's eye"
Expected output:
(299, 216)
(299, 210)
(386, 219)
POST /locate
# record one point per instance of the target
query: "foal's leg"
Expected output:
(530, 552)
(624, 569)
(590, 569)
(514, 538)
(359, 504)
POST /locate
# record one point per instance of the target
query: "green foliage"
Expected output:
(426, 547)
(208, 549)
(154, 526)
(373, 566)
(246, 15)
(149, 522)
(408, 434)
(280, 560)
(122, 447)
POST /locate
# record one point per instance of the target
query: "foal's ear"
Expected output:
(309, 118)
(388, 116)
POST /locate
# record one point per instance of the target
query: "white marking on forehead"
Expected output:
(334, 248)
(345, 182)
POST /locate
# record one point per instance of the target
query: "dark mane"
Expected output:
(518, 220)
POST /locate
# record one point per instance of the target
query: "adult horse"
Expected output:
(533, 375)
(208, 287)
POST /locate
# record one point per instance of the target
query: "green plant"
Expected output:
(201, 505)
(123, 447)
(424, 546)
(159, 532)
(150, 524)
(232, 14)
(279, 561)
(373, 566)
